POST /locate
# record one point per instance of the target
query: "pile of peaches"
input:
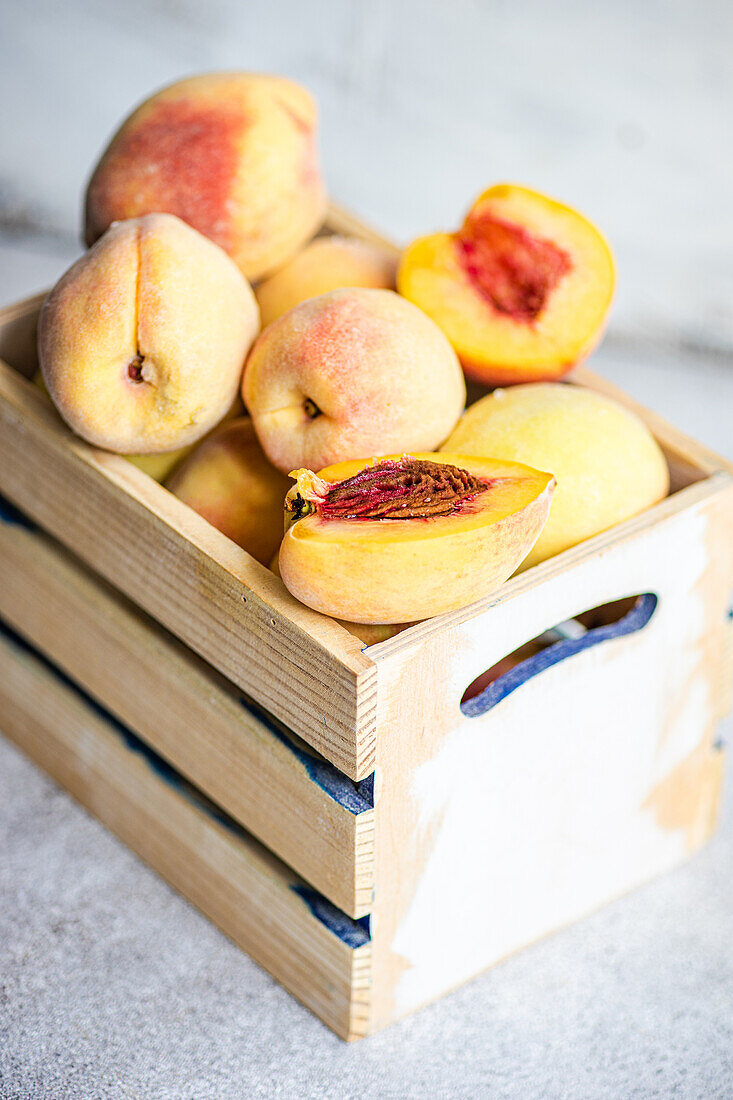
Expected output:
(333, 393)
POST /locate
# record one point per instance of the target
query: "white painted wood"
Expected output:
(590, 778)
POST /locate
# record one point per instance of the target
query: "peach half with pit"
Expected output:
(142, 342)
(406, 537)
(327, 263)
(229, 482)
(352, 373)
(232, 154)
(367, 633)
(522, 290)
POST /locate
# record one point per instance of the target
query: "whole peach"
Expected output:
(327, 263)
(157, 466)
(229, 482)
(232, 154)
(351, 373)
(143, 340)
(608, 464)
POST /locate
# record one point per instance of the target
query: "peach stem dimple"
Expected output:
(135, 368)
(311, 409)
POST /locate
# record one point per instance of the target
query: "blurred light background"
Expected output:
(621, 109)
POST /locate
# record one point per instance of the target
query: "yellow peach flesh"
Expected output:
(401, 570)
(497, 348)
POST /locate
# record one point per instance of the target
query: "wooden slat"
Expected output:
(304, 668)
(318, 954)
(18, 325)
(301, 806)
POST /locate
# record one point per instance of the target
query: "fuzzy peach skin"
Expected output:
(522, 290)
(160, 466)
(351, 373)
(229, 482)
(327, 263)
(232, 154)
(395, 570)
(368, 633)
(607, 464)
(157, 466)
(143, 341)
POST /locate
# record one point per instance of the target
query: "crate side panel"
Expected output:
(249, 894)
(298, 804)
(590, 778)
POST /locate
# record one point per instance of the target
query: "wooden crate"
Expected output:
(448, 838)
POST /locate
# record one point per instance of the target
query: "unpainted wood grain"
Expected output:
(228, 875)
(296, 803)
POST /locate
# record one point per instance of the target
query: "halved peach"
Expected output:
(522, 290)
(401, 538)
(368, 633)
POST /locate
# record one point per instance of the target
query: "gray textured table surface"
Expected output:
(112, 986)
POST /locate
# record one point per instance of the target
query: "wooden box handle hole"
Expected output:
(600, 624)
